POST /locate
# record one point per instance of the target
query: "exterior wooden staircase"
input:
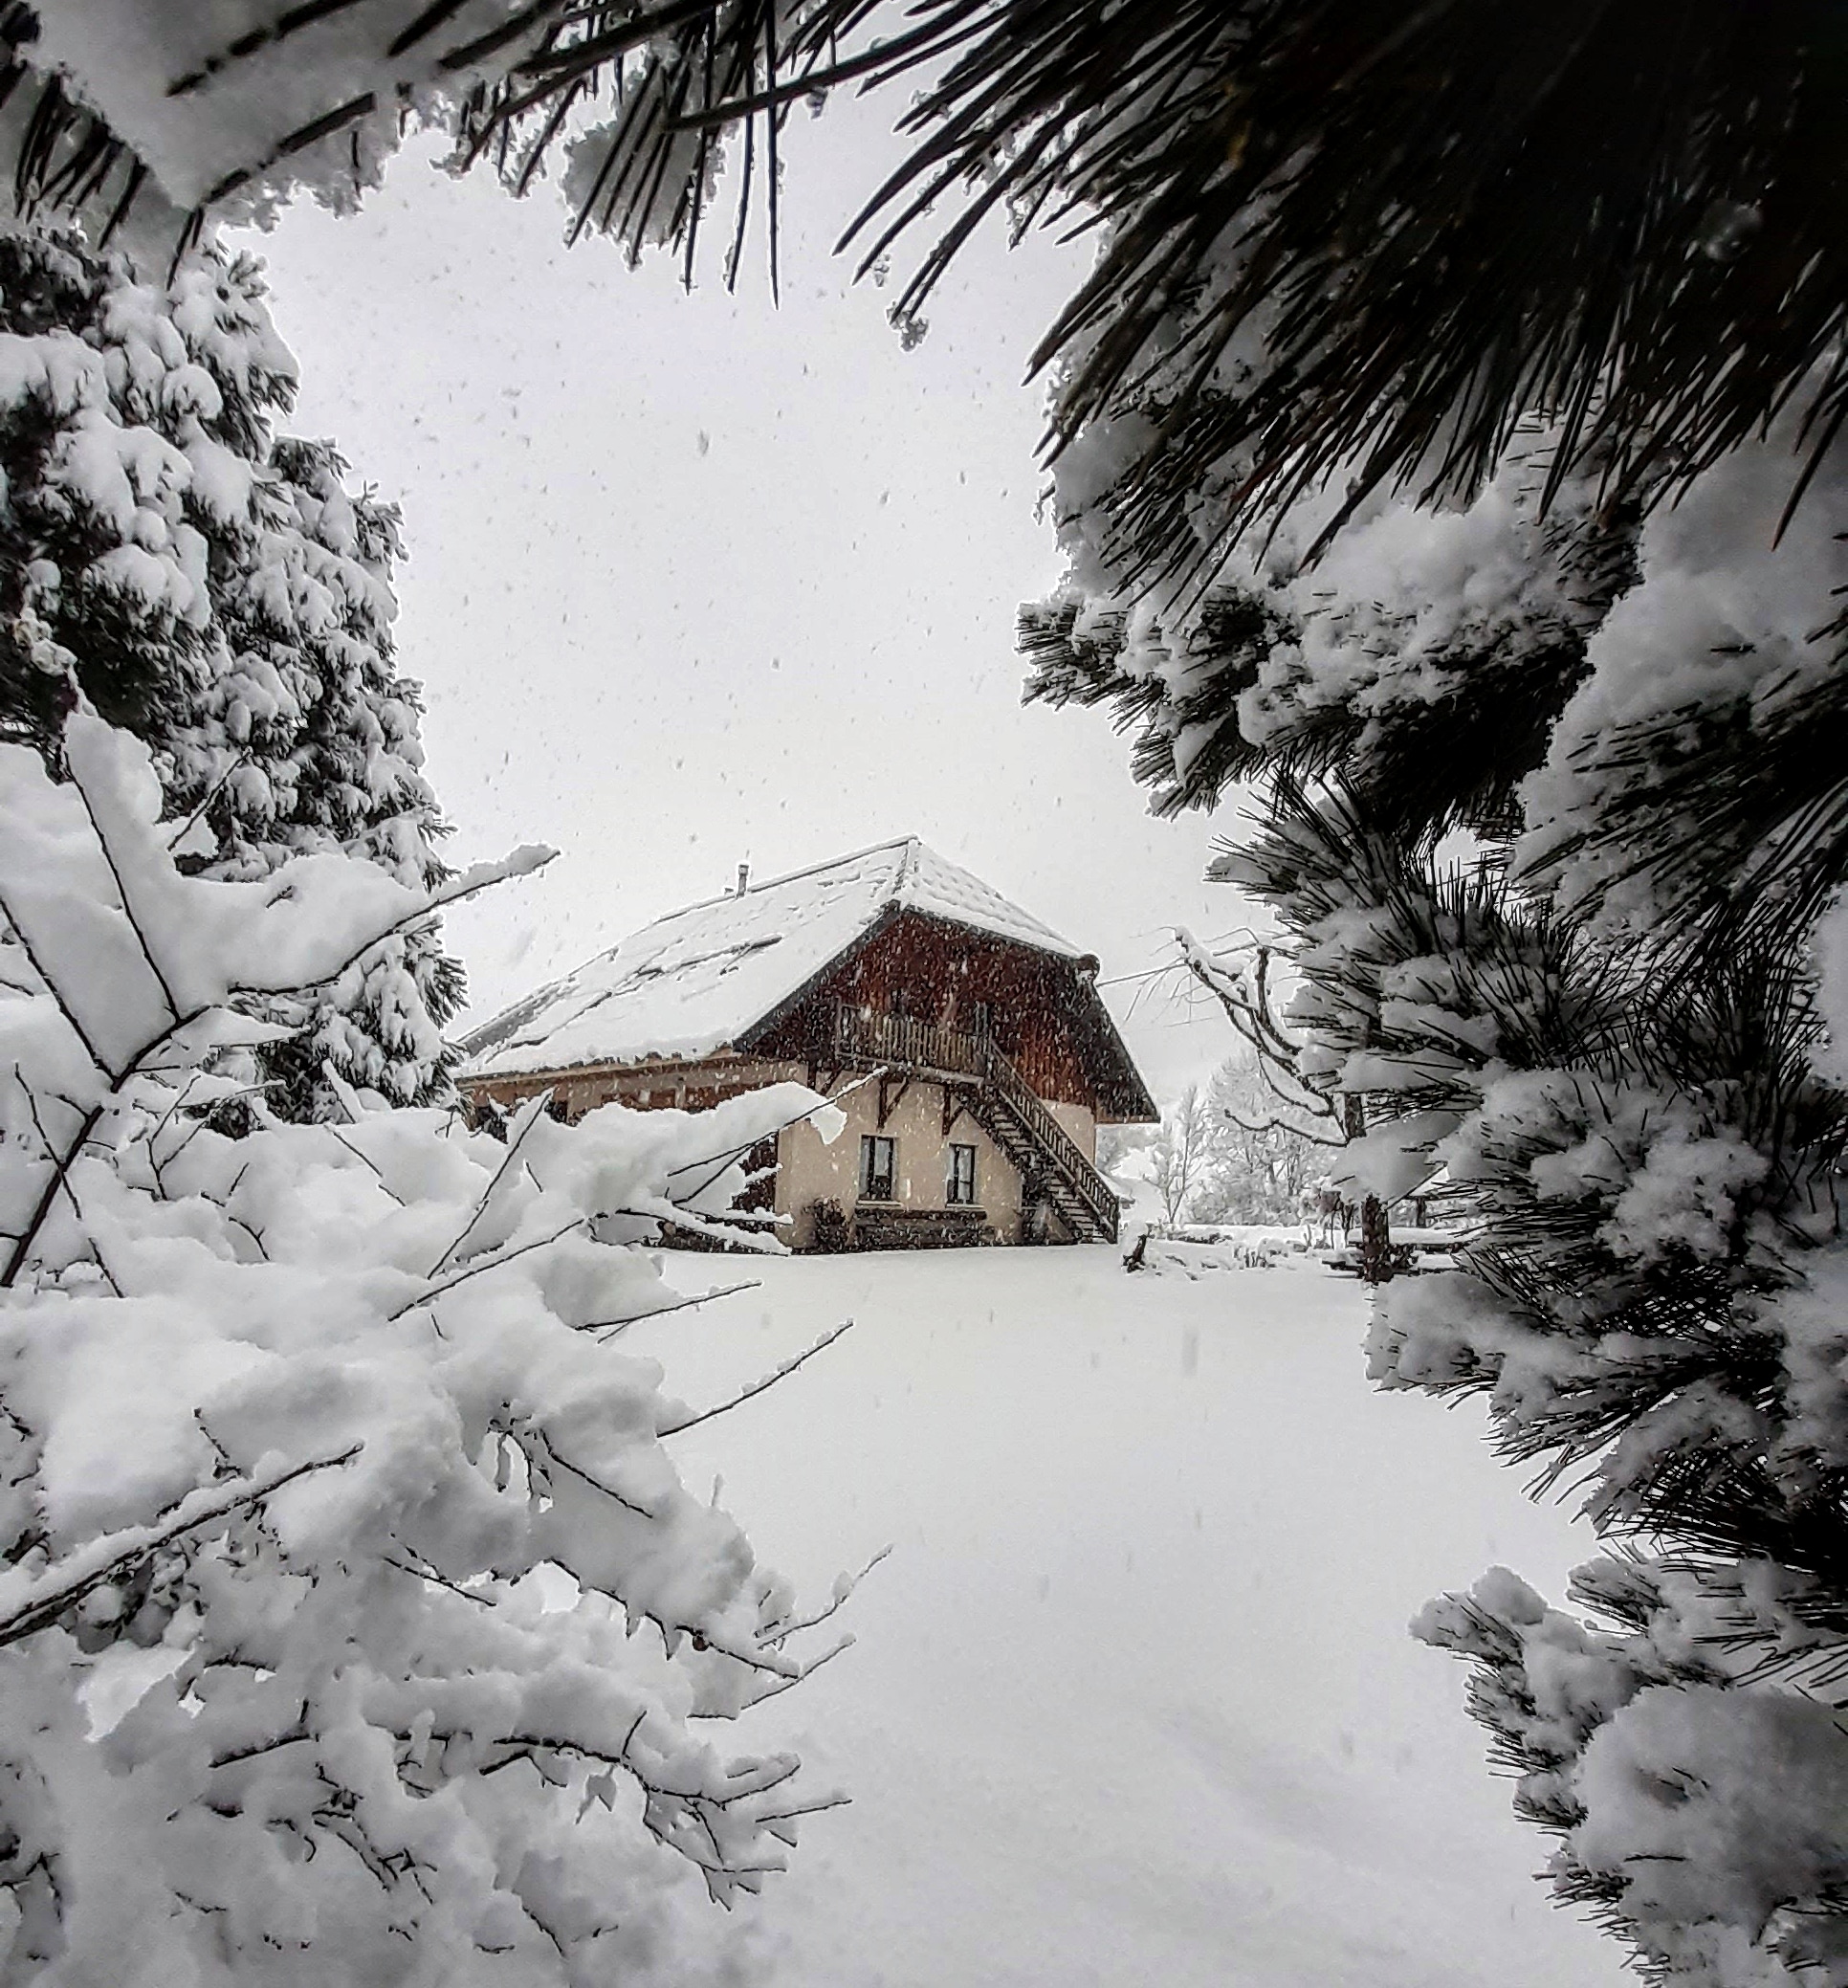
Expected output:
(1046, 1157)
(1052, 1168)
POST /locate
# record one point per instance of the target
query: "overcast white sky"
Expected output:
(694, 581)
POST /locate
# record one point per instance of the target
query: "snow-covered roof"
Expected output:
(696, 981)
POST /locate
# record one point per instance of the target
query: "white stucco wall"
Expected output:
(812, 1172)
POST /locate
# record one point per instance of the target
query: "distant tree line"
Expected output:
(1222, 1153)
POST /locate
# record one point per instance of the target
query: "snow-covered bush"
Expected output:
(215, 588)
(353, 1617)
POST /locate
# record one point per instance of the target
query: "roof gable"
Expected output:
(697, 980)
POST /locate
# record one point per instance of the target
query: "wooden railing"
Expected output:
(904, 1042)
(1066, 1153)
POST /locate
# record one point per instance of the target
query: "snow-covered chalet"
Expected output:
(995, 1056)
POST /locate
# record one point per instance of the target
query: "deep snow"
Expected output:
(1133, 1699)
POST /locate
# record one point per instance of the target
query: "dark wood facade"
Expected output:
(1042, 1011)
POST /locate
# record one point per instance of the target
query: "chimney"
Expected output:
(743, 880)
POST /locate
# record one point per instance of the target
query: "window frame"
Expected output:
(870, 1145)
(953, 1181)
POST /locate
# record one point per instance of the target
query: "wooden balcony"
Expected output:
(904, 1045)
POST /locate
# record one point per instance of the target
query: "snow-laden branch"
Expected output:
(824, 1113)
(1267, 1125)
(230, 1427)
(757, 1387)
(1241, 984)
(30, 1601)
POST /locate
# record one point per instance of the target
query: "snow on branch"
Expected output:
(759, 1387)
(1240, 984)
(29, 1603)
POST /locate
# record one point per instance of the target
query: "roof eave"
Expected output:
(1133, 1104)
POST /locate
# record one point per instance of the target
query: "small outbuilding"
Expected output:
(988, 1056)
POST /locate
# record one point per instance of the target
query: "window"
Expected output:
(960, 1190)
(878, 1168)
(984, 1017)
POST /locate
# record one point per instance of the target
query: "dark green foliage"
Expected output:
(134, 670)
(1436, 221)
(1224, 645)
(1467, 1013)
(1737, 810)
(1441, 221)
(1449, 762)
(1646, 1167)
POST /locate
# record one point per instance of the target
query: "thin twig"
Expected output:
(61, 1165)
(429, 1574)
(783, 1633)
(608, 1328)
(490, 1263)
(757, 1387)
(154, 966)
(212, 794)
(583, 1476)
(533, 1116)
(436, 900)
(724, 1160)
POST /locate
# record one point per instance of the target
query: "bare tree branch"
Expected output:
(781, 1633)
(608, 1328)
(724, 1160)
(533, 1116)
(757, 1387)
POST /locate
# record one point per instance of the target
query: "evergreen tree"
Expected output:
(215, 588)
(1615, 1027)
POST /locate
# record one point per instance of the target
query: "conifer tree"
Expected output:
(216, 588)
(1614, 1025)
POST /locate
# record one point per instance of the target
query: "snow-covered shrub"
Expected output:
(353, 1617)
(1200, 1249)
(1700, 1819)
(215, 588)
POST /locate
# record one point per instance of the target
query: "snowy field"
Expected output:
(1133, 1699)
